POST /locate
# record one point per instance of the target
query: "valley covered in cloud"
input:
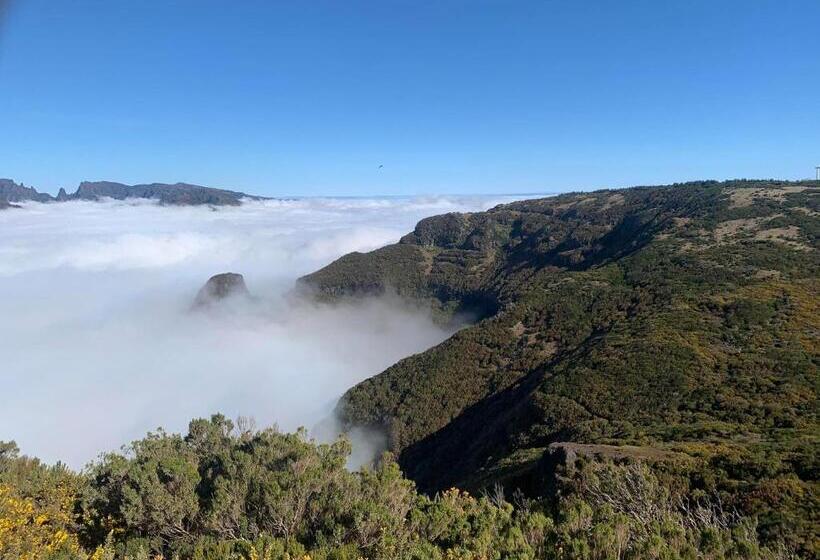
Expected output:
(98, 343)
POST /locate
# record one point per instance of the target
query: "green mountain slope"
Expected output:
(679, 319)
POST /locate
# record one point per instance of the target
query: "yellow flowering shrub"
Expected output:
(28, 532)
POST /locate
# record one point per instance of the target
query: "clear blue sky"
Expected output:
(311, 97)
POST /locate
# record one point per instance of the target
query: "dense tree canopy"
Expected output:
(225, 493)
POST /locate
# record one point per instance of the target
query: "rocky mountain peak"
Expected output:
(220, 287)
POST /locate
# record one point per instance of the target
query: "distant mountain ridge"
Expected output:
(14, 192)
(177, 194)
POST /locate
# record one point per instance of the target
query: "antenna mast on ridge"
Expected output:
(817, 172)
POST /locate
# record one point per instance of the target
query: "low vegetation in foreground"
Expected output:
(226, 492)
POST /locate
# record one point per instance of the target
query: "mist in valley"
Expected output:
(99, 344)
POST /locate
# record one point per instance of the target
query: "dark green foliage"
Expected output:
(674, 318)
(220, 482)
(221, 493)
(642, 380)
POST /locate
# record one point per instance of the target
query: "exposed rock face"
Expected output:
(176, 194)
(180, 194)
(13, 192)
(221, 286)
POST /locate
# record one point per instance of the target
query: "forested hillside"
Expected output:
(638, 379)
(677, 325)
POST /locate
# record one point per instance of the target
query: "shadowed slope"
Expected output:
(676, 318)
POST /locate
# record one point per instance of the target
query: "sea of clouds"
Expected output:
(98, 343)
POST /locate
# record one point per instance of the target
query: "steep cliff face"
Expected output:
(13, 192)
(677, 318)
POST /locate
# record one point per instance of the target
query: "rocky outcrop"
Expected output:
(177, 194)
(14, 192)
(182, 194)
(220, 287)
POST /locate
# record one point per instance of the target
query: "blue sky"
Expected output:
(309, 98)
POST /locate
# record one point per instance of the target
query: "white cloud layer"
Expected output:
(97, 343)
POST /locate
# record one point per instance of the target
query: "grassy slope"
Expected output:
(681, 318)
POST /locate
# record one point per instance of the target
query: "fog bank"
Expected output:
(98, 344)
